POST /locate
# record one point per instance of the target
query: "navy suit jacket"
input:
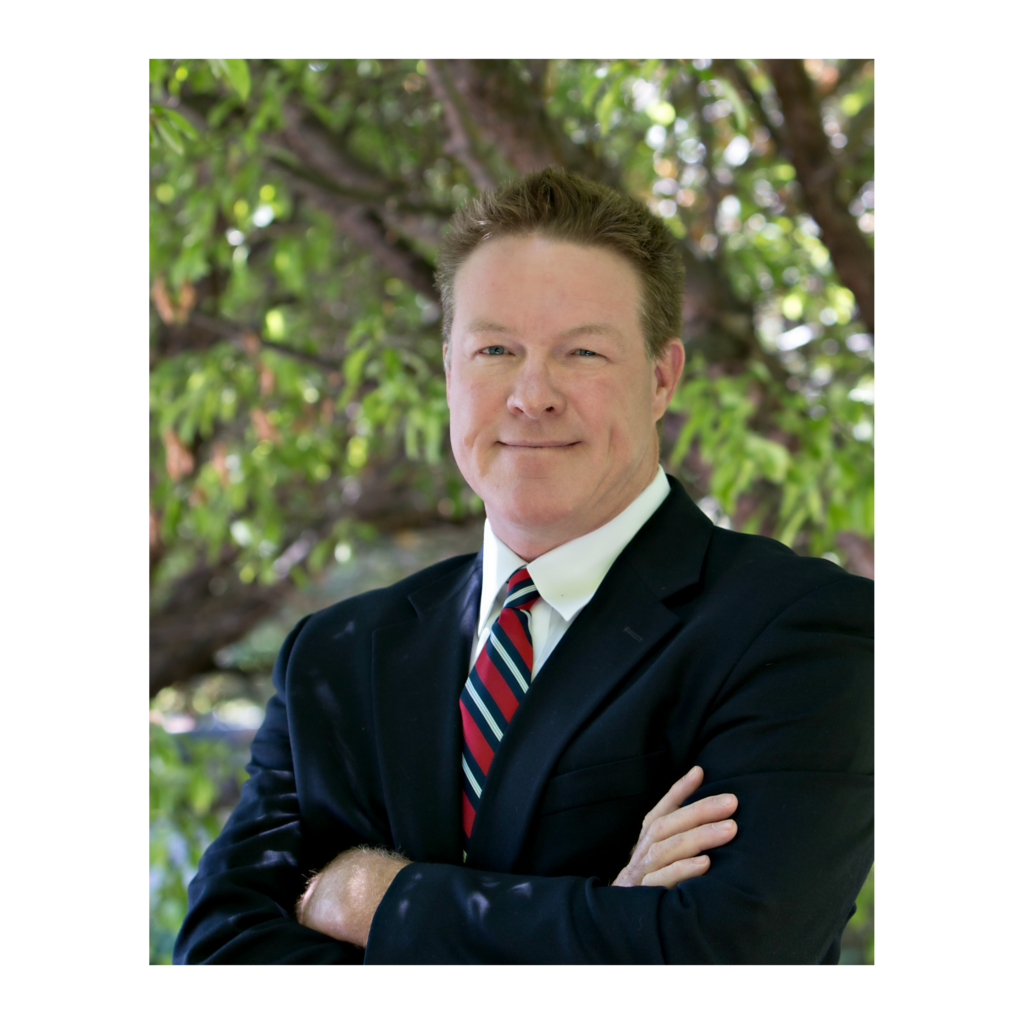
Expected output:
(701, 646)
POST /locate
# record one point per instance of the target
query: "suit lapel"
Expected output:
(622, 624)
(419, 668)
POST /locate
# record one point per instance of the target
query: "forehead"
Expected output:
(535, 282)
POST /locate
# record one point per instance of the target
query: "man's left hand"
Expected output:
(341, 900)
(673, 838)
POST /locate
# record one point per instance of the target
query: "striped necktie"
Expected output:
(496, 687)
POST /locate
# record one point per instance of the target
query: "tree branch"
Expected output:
(817, 173)
(305, 148)
(461, 144)
(185, 635)
(368, 231)
(317, 149)
(850, 68)
(195, 622)
(742, 81)
(505, 104)
(241, 334)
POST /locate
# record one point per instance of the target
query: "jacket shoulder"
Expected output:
(771, 573)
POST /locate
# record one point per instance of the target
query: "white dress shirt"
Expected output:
(567, 577)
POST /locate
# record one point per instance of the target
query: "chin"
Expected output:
(533, 504)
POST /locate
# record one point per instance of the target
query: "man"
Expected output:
(469, 755)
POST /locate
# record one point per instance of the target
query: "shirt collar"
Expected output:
(568, 576)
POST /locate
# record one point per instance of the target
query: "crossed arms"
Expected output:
(340, 901)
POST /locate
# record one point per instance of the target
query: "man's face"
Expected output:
(553, 399)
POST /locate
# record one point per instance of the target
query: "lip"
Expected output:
(538, 444)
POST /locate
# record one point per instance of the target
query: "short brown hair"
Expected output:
(565, 207)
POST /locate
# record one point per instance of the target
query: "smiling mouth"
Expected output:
(538, 444)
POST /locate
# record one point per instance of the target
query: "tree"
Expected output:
(297, 388)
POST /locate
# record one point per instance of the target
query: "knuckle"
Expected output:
(652, 858)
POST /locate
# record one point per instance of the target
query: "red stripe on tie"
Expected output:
(517, 577)
(478, 746)
(513, 628)
(491, 676)
(468, 815)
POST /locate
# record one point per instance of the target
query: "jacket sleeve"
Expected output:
(790, 732)
(242, 898)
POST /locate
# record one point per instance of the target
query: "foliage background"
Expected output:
(298, 426)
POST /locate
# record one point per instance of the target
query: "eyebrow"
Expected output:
(602, 329)
(487, 327)
(491, 327)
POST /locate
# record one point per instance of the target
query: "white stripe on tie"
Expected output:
(469, 775)
(483, 710)
(511, 664)
(519, 593)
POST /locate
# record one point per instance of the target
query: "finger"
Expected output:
(650, 855)
(678, 872)
(681, 789)
(711, 808)
(688, 845)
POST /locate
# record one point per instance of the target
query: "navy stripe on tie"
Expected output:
(471, 765)
(509, 653)
(490, 708)
(467, 782)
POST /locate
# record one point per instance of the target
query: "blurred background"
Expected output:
(298, 430)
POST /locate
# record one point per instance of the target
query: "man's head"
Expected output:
(559, 299)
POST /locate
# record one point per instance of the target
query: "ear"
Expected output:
(668, 369)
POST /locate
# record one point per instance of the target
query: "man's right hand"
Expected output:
(673, 838)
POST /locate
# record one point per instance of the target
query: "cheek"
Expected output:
(473, 411)
(620, 420)
(609, 409)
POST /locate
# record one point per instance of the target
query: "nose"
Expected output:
(535, 393)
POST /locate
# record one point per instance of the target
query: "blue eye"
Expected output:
(495, 350)
(585, 352)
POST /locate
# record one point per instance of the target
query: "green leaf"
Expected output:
(157, 71)
(201, 791)
(352, 370)
(180, 122)
(789, 531)
(649, 67)
(237, 74)
(590, 90)
(738, 106)
(169, 134)
(771, 458)
(605, 106)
